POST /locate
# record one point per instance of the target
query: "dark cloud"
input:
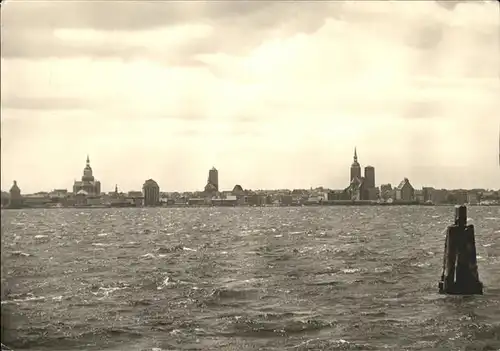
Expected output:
(28, 27)
(136, 15)
(238, 27)
(42, 44)
(34, 103)
(451, 4)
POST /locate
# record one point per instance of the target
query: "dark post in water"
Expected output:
(460, 276)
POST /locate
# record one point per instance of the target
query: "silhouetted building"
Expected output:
(210, 190)
(370, 177)
(472, 198)
(439, 196)
(427, 194)
(81, 198)
(386, 192)
(213, 178)
(405, 191)
(88, 184)
(237, 190)
(16, 199)
(355, 189)
(361, 188)
(5, 199)
(338, 195)
(355, 168)
(151, 192)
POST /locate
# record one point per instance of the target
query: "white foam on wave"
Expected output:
(188, 249)
(166, 282)
(101, 244)
(350, 270)
(27, 299)
(148, 255)
(239, 283)
(20, 253)
(421, 264)
(384, 269)
(40, 236)
(106, 291)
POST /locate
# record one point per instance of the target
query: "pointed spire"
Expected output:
(355, 155)
(116, 188)
(88, 160)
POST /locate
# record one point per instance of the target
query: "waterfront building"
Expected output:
(419, 196)
(81, 198)
(88, 183)
(151, 192)
(359, 187)
(213, 178)
(460, 197)
(370, 177)
(5, 199)
(355, 168)
(238, 190)
(136, 198)
(439, 196)
(427, 193)
(16, 199)
(405, 191)
(210, 190)
(472, 198)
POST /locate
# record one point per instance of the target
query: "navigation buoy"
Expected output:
(460, 275)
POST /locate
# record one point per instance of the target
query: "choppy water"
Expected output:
(314, 278)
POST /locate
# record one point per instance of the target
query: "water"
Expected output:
(313, 278)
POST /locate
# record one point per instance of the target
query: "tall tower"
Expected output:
(16, 199)
(370, 177)
(355, 167)
(87, 171)
(151, 193)
(213, 178)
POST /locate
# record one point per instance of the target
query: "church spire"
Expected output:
(88, 160)
(355, 155)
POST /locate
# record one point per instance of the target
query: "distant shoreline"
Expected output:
(336, 204)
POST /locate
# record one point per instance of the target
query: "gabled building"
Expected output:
(405, 191)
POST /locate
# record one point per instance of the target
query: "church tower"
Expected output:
(355, 167)
(87, 171)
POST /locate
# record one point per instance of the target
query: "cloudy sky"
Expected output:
(273, 94)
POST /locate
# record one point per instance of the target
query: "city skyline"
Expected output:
(271, 99)
(358, 168)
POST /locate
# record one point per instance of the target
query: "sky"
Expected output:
(273, 94)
